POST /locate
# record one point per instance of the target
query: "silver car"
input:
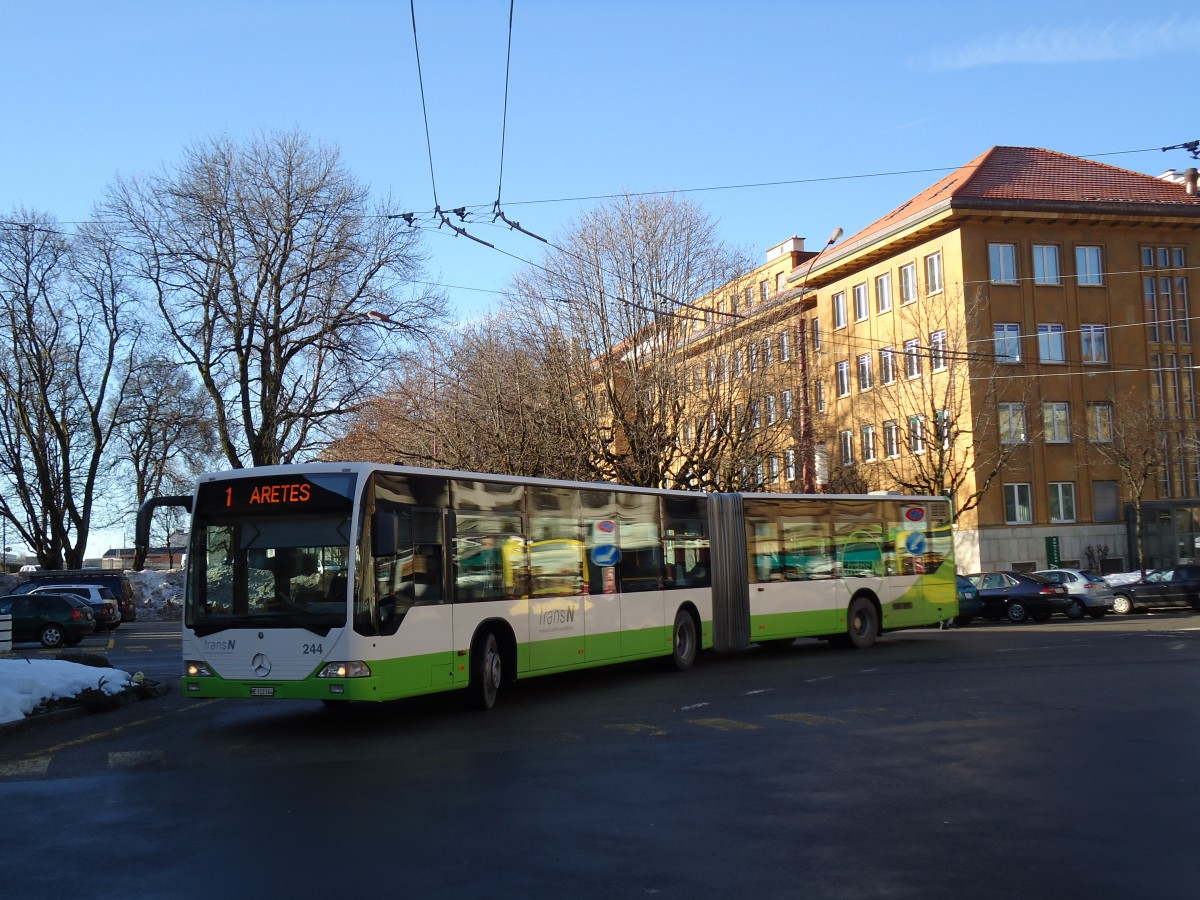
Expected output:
(1090, 593)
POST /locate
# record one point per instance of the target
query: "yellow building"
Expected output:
(1011, 334)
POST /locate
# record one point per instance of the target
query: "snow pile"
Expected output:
(26, 684)
(158, 595)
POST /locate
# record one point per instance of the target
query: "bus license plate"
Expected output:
(262, 692)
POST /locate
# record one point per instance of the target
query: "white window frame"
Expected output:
(862, 302)
(891, 438)
(1089, 265)
(787, 405)
(1047, 264)
(883, 292)
(912, 358)
(1018, 503)
(868, 443)
(1100, 422)
(789, 465)
(1056, 421)
(916, 434)
(908, 283)
(1002, 263)
(933, 274)
(843, 378)
(1051, 339)
(1062, 494)
(887, 365)
(1093, 340)
(1006, 336)
(937, 351)
(839, 310)
(864, 372)
(1014, 427)
(846, 440)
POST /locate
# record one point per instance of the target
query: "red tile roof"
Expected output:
(1033, 177)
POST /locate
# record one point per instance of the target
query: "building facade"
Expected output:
(1018, 337)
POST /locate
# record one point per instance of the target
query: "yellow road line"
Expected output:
(724, 724)
(807, 719)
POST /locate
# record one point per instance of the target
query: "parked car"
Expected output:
(970, 605)
(1176, 586)
(1019, 596)
(104, 605)
(54, 619)
(1090, 594)
(115, 580)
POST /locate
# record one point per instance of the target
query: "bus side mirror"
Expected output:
(385, 534)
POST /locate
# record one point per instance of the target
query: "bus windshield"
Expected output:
(278, 567)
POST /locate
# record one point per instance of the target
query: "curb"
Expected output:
(87, 703)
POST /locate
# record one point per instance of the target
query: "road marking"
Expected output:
(135, 759)
(724, 724)
(35, 765)
(694, 706)
(806, 719)
(635, 728)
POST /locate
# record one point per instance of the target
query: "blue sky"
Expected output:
(838, 111)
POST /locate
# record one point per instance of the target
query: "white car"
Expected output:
(1090, 593)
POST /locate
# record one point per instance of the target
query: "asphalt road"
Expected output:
(1053, 760)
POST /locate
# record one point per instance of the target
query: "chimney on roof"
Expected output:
(1189, 182)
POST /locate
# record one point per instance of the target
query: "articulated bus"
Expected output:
(365, 582)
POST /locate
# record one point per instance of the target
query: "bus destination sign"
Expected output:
(278, 495)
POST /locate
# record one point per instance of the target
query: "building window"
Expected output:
(820, 396)
(785, 346)
(937, 351)
(861, 307)
(1018, 504)
(1051, 346)
(756, 413)
(737, 363)
(839, 309)
(816, 335)
(1100, 422)
(763, 289)
(1002, 260)
(1181, 310)
(773, 467)
(710, 372)
(933, 273)
(847, 441)
(772, 411)
(789, 465)
(1106, 501)
(787, 405)
(1007, 340)
(941, 428)
(1062, 501)
(908, 283)
(891, 439)
(1088, 270)
(916, 434)
(912, 358)
(1095, 343)
(843, 378)
(868, 443)
(1012, 423)
(752, 352)
(1056, 420)
(864, 372)
(768, 352)
(883, 292)
(887, 365)
(1045, 264)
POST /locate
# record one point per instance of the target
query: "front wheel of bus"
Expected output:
(862, 623)
(684, 643)
(486, 673)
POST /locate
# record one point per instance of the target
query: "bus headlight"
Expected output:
(194, 668)
(354, 668)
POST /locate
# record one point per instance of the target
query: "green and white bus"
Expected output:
(366, 582)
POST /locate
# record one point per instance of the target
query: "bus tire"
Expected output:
(487, 671)
(684, 642)
(862, 623)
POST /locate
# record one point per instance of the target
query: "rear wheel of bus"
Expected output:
(487, 671)
(685, 641)
(862, 623)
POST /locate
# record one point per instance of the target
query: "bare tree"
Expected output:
(1127, 432)
(164, 432)
(70, 328)
(266, 262)
(618, 289)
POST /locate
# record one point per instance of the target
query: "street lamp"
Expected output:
(388, 320)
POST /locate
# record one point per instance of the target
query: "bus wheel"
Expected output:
(862, 623)
(684, 643)
(486, 673)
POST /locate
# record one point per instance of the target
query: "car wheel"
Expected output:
(1017, 612)
(684, 644)
(1122, 604)
(486, 672)
(52, 636)
(862, 623)
(1075, 610)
